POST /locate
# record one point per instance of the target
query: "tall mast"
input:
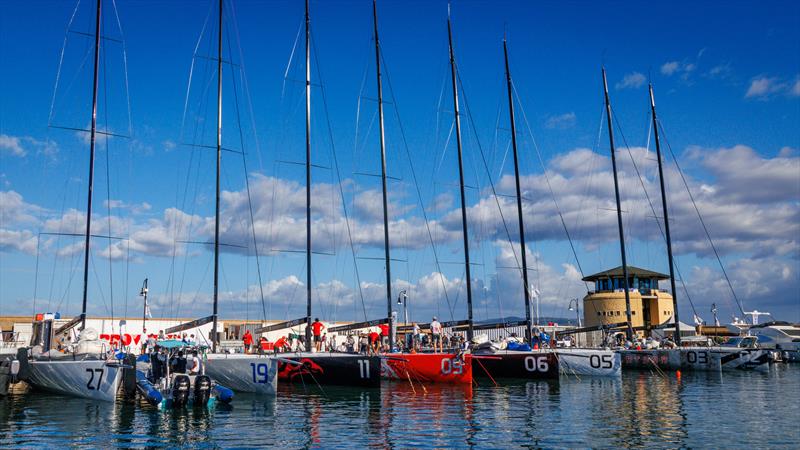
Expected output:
(529, 323)
(666, 220)
(219, 160)
(308, 180)
(92, 140)
(383, 176)
(460, 175)
(629, 331)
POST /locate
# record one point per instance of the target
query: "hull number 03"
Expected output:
(534, 364)
(693, 357)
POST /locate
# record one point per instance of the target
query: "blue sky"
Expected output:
(727, 81)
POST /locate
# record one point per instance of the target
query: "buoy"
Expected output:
(678, 373)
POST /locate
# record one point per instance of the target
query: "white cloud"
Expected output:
(561, 121)
(20, 145)
(762, 87)
(12, 145)
(795, 88)
(683, 68)
(669, 68)
(632, 80)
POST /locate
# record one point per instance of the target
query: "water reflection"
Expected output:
(640, 409)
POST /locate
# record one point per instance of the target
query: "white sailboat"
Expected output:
(240, 372)
(86, 372)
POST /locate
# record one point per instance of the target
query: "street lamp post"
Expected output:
(576, 309)
(402, 299)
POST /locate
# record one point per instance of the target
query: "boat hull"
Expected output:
(428, 367)
(244, 373)
(696, 359)
(589, 362)
(534, 364)
(341, 369)
(92, 378)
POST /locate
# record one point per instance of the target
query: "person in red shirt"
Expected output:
(248, 341)
(373, 342)
(384, 334)
(281, 344)
(316, 329)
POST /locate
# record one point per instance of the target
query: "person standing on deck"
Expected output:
(416, 337)
(248, 341)
(316, 329)
(384, 334)
(436, 334)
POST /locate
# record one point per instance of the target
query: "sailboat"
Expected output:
(238, 371)
(682, 358)
(324, 368)
(530, 363)
(422, 367)
(86, 372)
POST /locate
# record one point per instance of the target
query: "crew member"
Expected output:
(248, 341)
(316, 329)
(436, 334)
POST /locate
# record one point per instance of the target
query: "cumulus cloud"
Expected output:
(12, 145)
(19, 146)
(763, 87)
(561, 121)
(748, 201)
(632, 80)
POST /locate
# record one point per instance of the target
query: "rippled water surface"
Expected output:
(730, 410)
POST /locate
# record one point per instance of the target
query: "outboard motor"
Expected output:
(202, 390)
(180, 390)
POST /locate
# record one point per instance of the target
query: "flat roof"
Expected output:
(632, 272)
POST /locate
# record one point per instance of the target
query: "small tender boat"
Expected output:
(165, 388)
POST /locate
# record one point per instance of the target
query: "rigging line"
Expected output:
(702, 222)
(416, 183)
(246, 86)
(291, 56)
(247, 183)
(547, 179)
(108, 178)
(358, 102)
(35, 274)
(127, 274)
(191, 68)
(444, 150)
(203, 105)
(61, 61)
(649, 200)
(124, 67)
(488, 174)
(339, 177)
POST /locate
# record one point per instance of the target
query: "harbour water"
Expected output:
(719, 410)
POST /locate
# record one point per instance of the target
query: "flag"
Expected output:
(698, 320)
(147, 311)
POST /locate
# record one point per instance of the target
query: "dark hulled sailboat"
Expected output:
(325, 368)
(534, 364)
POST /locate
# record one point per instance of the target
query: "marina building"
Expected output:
(605, 304)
